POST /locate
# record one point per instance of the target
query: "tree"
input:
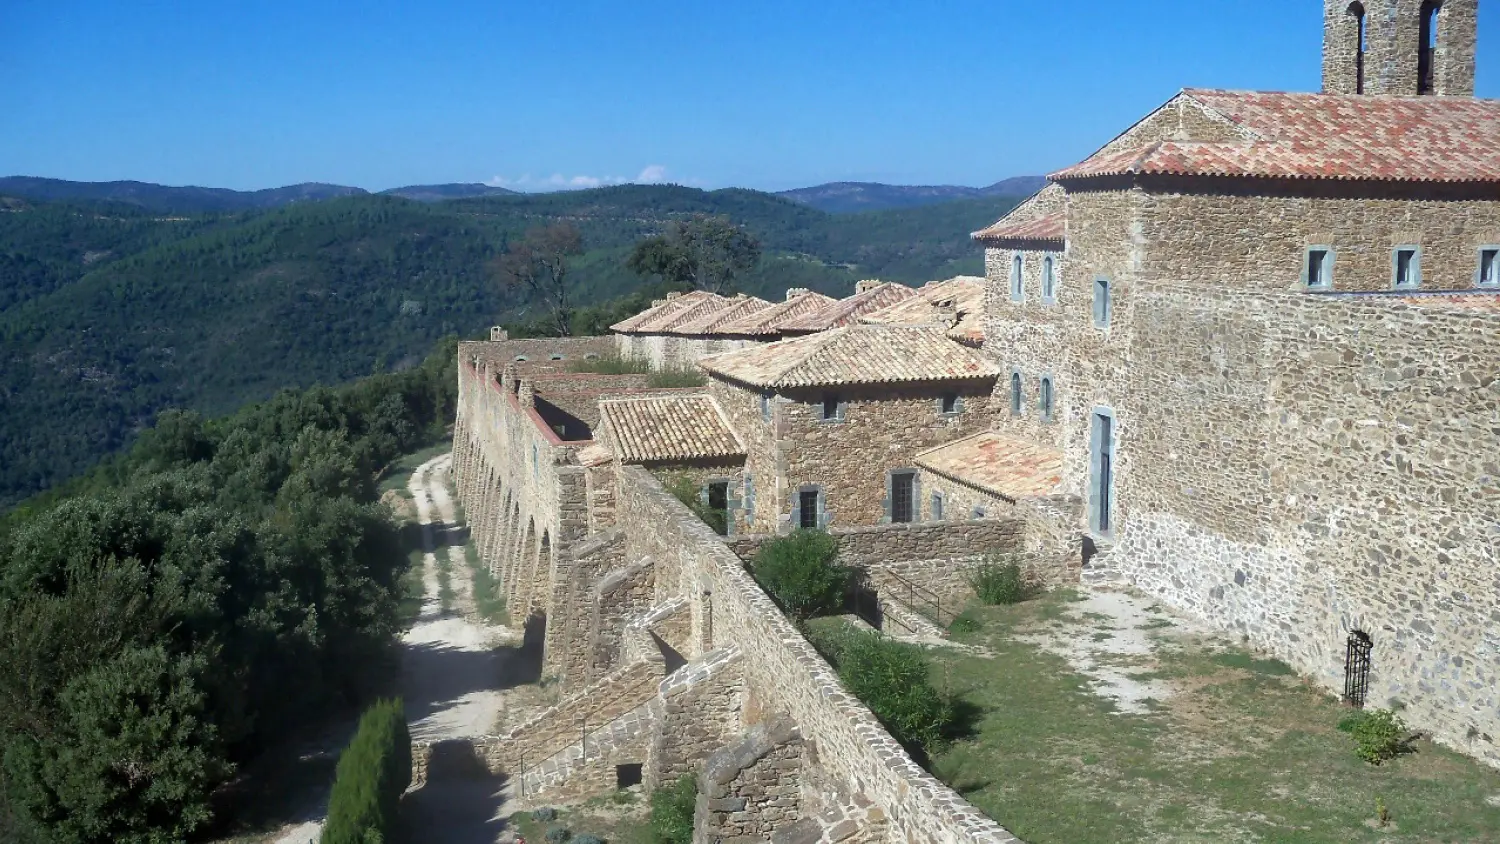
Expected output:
(706, 251)
(539, 265)
(799, 571)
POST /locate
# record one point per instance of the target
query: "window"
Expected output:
(807, 508)
(750, 496)
(1044, 398)
(832, 409)
(978, 512)
(1017, 284)
(520, 358)
(1049, 280)
(765, 408)
(555, 356)
(1101, 302)
(937, 506)
(1406, 267)
(1357, 11)
(949, 404)
(1489, 266)
(1101, 474)
(1427, 46)
(1017, 400)
(718, 495)
(1317, 270)
(903, 494)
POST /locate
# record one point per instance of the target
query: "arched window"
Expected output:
(1049, 280)
(1017, 400)
(1044, 398)
(1426, 59)
(555, 356)
(1357, 11)
(1017, 286)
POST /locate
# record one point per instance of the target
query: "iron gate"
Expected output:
(1357, 669)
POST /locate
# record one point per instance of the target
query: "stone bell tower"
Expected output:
(1399, 47)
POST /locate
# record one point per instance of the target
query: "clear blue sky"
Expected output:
(765, 94)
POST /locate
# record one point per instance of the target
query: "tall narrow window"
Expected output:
(937, 506)
(1489, 266)
(1101, 482)
(1044, 398)
(1049, 280)
(1427, 58)
(1017, 400)
(903, 494)
(948, 404)
(1317, 270)
(807, 506)
(1101, 302)
(1406, 268)
(831, 408)
(1357, 11)
(1017, 284)
(765, 408)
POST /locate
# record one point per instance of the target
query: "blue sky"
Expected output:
(766, 94)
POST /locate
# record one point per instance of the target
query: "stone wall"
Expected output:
(785, 674)
(620, 595)
(751, 788)
(1294, 468)
(697, 711)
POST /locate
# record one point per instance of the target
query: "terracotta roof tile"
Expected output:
(1325, 136)
(709, 321)
(964, 295)
(1051, 227)
(763, 323)
(854, 354)
(668, 429)
(1010, 467)
(845, 311)
(699, 307)
(665, 310)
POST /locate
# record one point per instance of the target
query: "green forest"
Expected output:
(110, 313)
(197, 599)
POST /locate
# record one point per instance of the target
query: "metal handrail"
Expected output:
(933, 600)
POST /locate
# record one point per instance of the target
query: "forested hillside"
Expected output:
(109, 313)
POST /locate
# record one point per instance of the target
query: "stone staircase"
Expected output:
(1099, 572)
(629, 729)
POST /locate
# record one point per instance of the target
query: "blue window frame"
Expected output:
(1317, 268)
(937, 506)
(1017, 278)
(1044, 398)
(1489, 266)
(1102, 472)
(1049, 280)
(1017, 399)
(1102, 305)
(1406, 267)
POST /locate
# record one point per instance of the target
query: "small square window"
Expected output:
(831, 408)
(1489, 266)
(1101, 302)
(1406, 267)
(949, 403)
(1317, 270)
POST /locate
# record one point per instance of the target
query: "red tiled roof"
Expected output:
(964, 294)
(710, 321)
(765, 322)
(844, 311)
(674, 305)
(1325, 136)
(668, 428)
(1046, 227)
(700, 307)
(1010, 467)
(853, 354)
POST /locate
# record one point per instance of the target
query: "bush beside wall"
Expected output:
(373, 772)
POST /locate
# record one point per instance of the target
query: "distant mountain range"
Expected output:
(850, 197)
(834, 198)
(196, 200)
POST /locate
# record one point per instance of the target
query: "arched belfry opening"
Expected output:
(1356, 12)
(1400, 48)
(1428, 21)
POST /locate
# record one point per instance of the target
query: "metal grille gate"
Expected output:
(1357, 669)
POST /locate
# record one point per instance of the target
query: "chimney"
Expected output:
(657, 303)
(527, 393)
(498, 334)
(794, 292)
(866, 284)
(673, 295)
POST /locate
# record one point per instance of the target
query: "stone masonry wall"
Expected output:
(1294, 468)
(751, 788)
(620, 595)
(787, 675)
(697, 712)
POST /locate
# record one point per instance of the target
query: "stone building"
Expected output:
(955, 307)
(832, 421)
(1260, 330)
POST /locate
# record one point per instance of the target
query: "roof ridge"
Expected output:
(724, 418)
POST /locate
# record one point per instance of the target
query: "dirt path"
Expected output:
(452, 674)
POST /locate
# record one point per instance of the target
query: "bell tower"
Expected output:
(1400, 47)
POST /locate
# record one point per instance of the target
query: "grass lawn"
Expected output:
(489, 602)
(398, 473)
(617, 819)
(1216, 744)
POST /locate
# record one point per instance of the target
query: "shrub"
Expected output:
(373, 772)
(665, 378)
(892, 679)
(1379, 735)
(997, 581)
(546, 814)
(685, 489)
(559, 835)
(587, 839)
(965, 623)
(672, 811)
(799, 572)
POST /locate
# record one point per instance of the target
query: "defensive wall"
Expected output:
(1296, 468)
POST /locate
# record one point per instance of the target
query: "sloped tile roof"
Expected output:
(595, 455)
(1049, 227)
(668, 429)
(764, 323)
(1010, 467)
(966, 295)
(664, 312)
(700, 307)
(844, 311)
(854, 354)
(709, 321)
(1325, 136)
